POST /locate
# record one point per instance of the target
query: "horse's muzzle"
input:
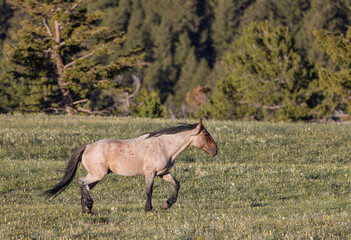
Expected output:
(216, 152)
(213, 152)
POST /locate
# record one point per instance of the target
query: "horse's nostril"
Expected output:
(216, 152)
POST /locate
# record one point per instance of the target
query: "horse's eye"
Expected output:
(207, 134)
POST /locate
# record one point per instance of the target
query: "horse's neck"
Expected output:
(176, 143)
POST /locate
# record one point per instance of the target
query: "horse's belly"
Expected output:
(127, 167)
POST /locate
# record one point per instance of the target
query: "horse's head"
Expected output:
(203, 140)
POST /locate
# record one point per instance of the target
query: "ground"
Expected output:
(269, 181)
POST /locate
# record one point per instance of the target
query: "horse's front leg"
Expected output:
(173, 198)
(149, 180)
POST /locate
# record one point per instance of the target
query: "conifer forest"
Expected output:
(268, 60)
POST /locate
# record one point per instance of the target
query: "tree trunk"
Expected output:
(67, 99)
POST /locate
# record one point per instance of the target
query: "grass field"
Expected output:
(269, 181)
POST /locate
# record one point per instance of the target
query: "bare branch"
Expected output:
(47, 28)
(69, 10)
(80, 101)
(78, 59)
(85, 110)
(47, 51)
(142, 64)
(57, 31)
(137, 83)
(93, 70)
(104, 111)
(273, 107)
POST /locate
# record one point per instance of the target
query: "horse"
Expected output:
(151, 154)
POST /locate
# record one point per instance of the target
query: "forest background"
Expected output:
(265, 60)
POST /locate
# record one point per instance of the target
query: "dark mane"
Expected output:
(173, 130)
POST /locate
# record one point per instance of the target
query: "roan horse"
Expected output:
(152, 154)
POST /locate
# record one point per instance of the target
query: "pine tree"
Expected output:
(167, 30)
(267, 79)
(183, 48)
(322, 14)
(176, 20)
(226, 23)
(288, 13)
(60, 55)
(184, 84)
(5, 15)
(170, 32)
(161, 74)
(192, 75)
(335, 84)
(8, 99)
(116, 14)
(148, 104)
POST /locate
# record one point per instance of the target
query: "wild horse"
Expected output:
(152, 154)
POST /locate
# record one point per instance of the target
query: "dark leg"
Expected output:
(173, 198)
(149, 179)
(86, 200)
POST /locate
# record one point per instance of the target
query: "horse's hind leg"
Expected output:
(85, 185)
(173, 198)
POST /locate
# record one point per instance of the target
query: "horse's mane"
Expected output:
(174, 130)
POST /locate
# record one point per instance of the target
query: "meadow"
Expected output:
(269, 181)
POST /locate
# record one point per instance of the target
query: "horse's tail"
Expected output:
(69, 173)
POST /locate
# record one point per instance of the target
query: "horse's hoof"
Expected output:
(151, 212)
(149, 209)
(166, 205)
(87, 212)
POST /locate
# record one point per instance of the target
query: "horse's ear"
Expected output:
(199, 126)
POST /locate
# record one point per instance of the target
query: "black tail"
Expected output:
(69, 173)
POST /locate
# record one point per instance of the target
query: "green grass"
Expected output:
(269, 181)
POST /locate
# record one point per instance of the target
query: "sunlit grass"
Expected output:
(270, 181)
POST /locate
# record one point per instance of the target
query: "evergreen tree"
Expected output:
(161, 74)
(175, 20)
(173, 33)
(226, 21)
(288, 13)
(335, 84)
(116, 14)
(183, 48)
(192, 75)
(148, 104)
(267, 79)
(322, 14)
(222, 103)
(198, 91)
(137, 30)
(60, 55)
(5, 15)
(184, 84)
(9, 100)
